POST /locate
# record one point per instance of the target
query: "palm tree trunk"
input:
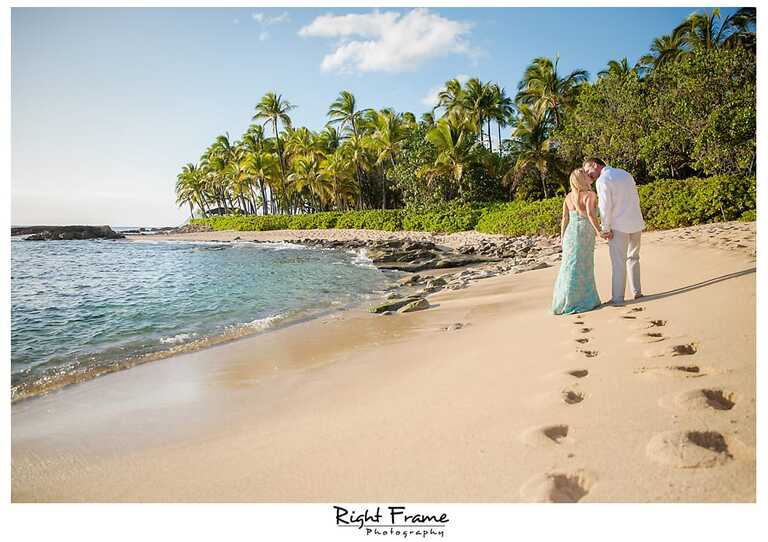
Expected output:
(490, 141)
(280, 160)
(263, 197)
(498, 125)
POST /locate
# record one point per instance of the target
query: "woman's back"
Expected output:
(579, 201)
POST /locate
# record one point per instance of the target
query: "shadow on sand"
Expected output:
(684, 289)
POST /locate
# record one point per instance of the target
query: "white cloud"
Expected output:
(266, 20)
(431, 99)
(388, 41)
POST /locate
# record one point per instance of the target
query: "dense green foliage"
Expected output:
(673, 203)
(666, 204)
(684, 110)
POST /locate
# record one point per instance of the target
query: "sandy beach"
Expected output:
(484, 397)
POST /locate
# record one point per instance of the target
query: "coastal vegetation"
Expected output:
(682, 120)
(668, 203)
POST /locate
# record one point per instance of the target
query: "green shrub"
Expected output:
(246, 223)
(446, 218)
(315, 221)
(376, 219)
(523, 218)
(674, 204)
(665, 204)
(749, 216)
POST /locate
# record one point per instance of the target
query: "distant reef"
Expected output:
(63, 233)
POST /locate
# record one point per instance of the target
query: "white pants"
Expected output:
(625, 257)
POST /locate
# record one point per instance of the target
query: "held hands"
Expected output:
(607, 235)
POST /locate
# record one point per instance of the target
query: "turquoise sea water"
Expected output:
(81, 308)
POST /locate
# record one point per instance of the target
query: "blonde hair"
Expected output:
(580, 181)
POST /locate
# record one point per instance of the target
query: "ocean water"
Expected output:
(84, 308)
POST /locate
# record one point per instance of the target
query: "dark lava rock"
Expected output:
(63, 233)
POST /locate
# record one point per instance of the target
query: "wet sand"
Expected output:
(485, 397)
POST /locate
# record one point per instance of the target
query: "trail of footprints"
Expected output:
(688, 449)
(563, 486)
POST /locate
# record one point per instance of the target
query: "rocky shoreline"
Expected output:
(65, 233)
(426, 260)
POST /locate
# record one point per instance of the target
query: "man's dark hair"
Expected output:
(595, 160)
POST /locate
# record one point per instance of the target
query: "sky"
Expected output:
(108, 104)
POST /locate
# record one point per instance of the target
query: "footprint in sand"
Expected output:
(693, 449)
(686, 349)
(579, 373)
(583, 330)
(652, 325)
(558, 486)
(582, 340)
(572, 397)
(547, 435)
(712, 399)
(635, 309)
(589, 353)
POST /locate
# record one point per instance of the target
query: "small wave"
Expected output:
(361, 259)
(181, 337)
(263, 323)
(281, 245)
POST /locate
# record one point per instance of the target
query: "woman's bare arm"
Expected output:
(591, 206)
(564, 221)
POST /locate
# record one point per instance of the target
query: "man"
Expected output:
(622, 222)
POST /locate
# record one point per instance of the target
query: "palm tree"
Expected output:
(328, 140)
(702, 30)
(428, 119)
(531, 145)
(273, 109)
(478, 104)
(665, 49)
(356, 149)
(258, 149)
(453, 152)
(619, 68)
(263, 168)
(189, 188)
(502, 109)
(307, 175)
(742, 26)
(542, 84)
(386, 141)
(303, 142)
(338, 170)
(344, 111)
(450, 98)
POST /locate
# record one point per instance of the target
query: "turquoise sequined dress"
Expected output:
(575, 289)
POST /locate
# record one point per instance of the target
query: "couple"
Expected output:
(622, 222)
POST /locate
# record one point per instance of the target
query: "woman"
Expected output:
(575, 289)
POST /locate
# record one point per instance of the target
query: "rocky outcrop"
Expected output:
(190, 228)
(64, 233)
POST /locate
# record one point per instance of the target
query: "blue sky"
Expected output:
(108, 104)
